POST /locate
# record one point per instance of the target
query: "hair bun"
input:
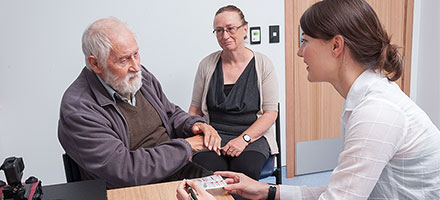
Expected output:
(391, 61)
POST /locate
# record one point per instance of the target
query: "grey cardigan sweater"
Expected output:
(267, 85)
(93, 131)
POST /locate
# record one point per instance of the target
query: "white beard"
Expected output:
(124, 86)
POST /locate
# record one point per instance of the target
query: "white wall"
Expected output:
(41, 55)
(425, 71)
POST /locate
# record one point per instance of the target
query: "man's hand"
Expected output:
(196, 143)
(244, 186)
(211, 138)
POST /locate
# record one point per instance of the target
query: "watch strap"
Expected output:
(272, 192)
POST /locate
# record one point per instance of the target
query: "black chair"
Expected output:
(71, 169)
(269, 168)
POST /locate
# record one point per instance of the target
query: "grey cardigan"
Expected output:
(267, 85)
(94, 133)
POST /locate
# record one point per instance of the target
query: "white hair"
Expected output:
(95, 39)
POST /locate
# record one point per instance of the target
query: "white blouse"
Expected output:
(391, 148)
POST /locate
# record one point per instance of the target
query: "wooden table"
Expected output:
(164, 191)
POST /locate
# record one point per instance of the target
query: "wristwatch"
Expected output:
(247, 138)
(272, 192)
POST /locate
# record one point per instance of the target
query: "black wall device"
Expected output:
(274, 34)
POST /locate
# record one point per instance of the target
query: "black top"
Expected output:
(233, 108)
(227, 88)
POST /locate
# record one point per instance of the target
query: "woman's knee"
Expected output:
(250, 169)
(210, 161)
(250, 164)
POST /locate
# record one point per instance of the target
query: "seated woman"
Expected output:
(236, 89)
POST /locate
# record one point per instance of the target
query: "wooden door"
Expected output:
(313, 109)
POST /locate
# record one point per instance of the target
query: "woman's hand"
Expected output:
(244, 186)
(184, 194)
(211, 138)
(234, 147)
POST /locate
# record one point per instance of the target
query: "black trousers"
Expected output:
(189, 171)
(249, 162)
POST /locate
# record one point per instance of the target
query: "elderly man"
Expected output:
(116, 122)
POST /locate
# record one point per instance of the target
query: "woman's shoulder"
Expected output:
(262, 63)
(213, 57)
(209, 61)
(383, 103)
(261, 57)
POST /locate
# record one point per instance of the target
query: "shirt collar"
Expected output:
(112, 92)
(360, 88)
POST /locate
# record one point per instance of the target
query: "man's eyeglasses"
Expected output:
(231, 30)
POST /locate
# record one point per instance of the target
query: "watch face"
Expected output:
(247, 138)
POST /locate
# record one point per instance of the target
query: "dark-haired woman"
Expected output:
(391, 147)
(236, 90)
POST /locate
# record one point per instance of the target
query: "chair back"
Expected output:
(269, 168)
(71, 169)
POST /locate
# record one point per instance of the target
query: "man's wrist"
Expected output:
(196, 124)
(199, 122)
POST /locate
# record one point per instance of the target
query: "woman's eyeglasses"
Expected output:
(231, 30)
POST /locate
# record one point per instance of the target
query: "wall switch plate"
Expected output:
(274, 34)
(255, 35)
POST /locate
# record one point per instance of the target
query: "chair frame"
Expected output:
(277, 173)
(71, 169)
(277, 170)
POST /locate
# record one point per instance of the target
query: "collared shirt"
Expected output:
(112, 92)
(391, 148)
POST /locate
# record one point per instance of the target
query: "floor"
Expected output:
(315, 179)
